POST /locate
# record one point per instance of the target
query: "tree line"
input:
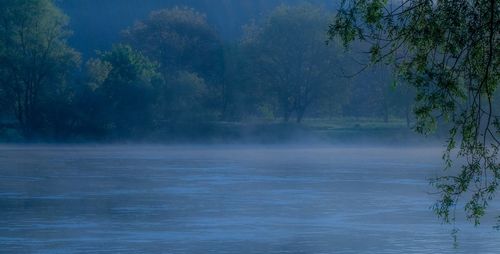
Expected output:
(172, 71)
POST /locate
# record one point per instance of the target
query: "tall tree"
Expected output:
(291, 59)
(34, 57)
(181, 39)
(124, 85)
(449, 51)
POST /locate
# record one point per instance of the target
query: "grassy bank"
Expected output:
(327, 131)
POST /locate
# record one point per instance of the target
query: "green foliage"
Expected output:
(124, 82)
(290, 61)
(448, 51)
(180, 39)
(35, 60)
(184, 99)
(176, 74)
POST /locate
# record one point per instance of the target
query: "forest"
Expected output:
(178, 72)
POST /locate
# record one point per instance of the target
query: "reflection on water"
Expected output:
(154, 199)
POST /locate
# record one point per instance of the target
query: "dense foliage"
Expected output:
(171, 74)
(189, 53)
(448, 51)
(288, 56)
(35, 61)
(123, 84)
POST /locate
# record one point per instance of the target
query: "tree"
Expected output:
(183, 99)
(124, 85)
(401, 99)
(448, 51)
(240, 94)
(180, 39)
(290, 59)
(34, 58)
(370, 93)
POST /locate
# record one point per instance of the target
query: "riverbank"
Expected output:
(325, 131)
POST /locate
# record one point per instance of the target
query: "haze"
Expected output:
(213, 126)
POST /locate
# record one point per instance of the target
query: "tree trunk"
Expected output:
(286, 117)
(386, 112)
(408, 120)
(300, 115)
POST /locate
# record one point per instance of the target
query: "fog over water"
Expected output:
(225, 199)
(248, 126)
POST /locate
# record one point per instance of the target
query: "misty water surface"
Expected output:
(224, 199)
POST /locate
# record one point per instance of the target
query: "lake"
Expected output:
(225, 199)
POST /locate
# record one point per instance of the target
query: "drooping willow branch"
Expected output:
(448, 51)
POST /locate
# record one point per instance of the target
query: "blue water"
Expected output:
(225, 199)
